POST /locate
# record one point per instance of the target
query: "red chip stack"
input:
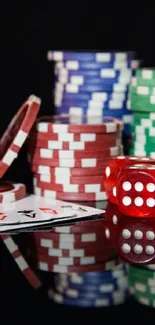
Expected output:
(68, 158)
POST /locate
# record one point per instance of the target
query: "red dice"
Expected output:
(135, 192)
(132, 239)
(114, 166)
(136, 240)
(111, 219)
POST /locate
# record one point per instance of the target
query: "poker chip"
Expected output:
(76, 65)
(90, 56)
(43, 153)
(142, 98)
(11, 192)
(77, 163)
(90, 76)
(71, 124)
(20, 261)
(17, 132)
(69, 196)
(74, 188)
(142, 284)
(76, 145)
(56, 179)
(42, 169)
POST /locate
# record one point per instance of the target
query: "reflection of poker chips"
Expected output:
(93, 289)
(142, 285)
(104, 301)
(142, 98)
(17, 132)
(20, 261)
(11, 195)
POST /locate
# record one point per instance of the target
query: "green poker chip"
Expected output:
(142, 103)
(142, 130)
(146, 76)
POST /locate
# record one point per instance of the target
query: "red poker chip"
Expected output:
(38, 153)
(6, 186)
(58, 244)
(71, 163)
(84, 237)
(47, 170)
(89, 251)
(108, 139)
(56, 179)
(17, 192)
(50, 267)
(74, 188)
(70, 124)
(19, 259)
(100, 196)
(112, 150)
(17, 132)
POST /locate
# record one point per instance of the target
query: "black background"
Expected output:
(27, 32)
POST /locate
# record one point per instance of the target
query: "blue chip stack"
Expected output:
(94, 289)
(94, 84)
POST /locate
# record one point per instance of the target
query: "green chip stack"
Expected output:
(142, 284)
(142, 102)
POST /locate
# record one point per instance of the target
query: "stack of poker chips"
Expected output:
(142, 97)
(93, 289)
(81, 268)
(142, 284)
(94, 83)
(68, 157)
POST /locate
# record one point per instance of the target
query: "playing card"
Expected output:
(34, 211)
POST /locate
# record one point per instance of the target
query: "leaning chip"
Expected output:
(17, 132)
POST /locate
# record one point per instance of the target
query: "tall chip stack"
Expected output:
(142, 97)
(94, 83)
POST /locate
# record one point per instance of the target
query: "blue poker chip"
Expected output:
(96, 96)
(91, 56)
(117, 113)
(100, 287)
(79, 65)
(91, 104)
(99, 73)
(81, 80)
(93, 277)
(109, 300)
(70, 88)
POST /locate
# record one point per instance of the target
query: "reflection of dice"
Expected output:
(111, 220)
(114, 166)
(136, 190)
(136, 240)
